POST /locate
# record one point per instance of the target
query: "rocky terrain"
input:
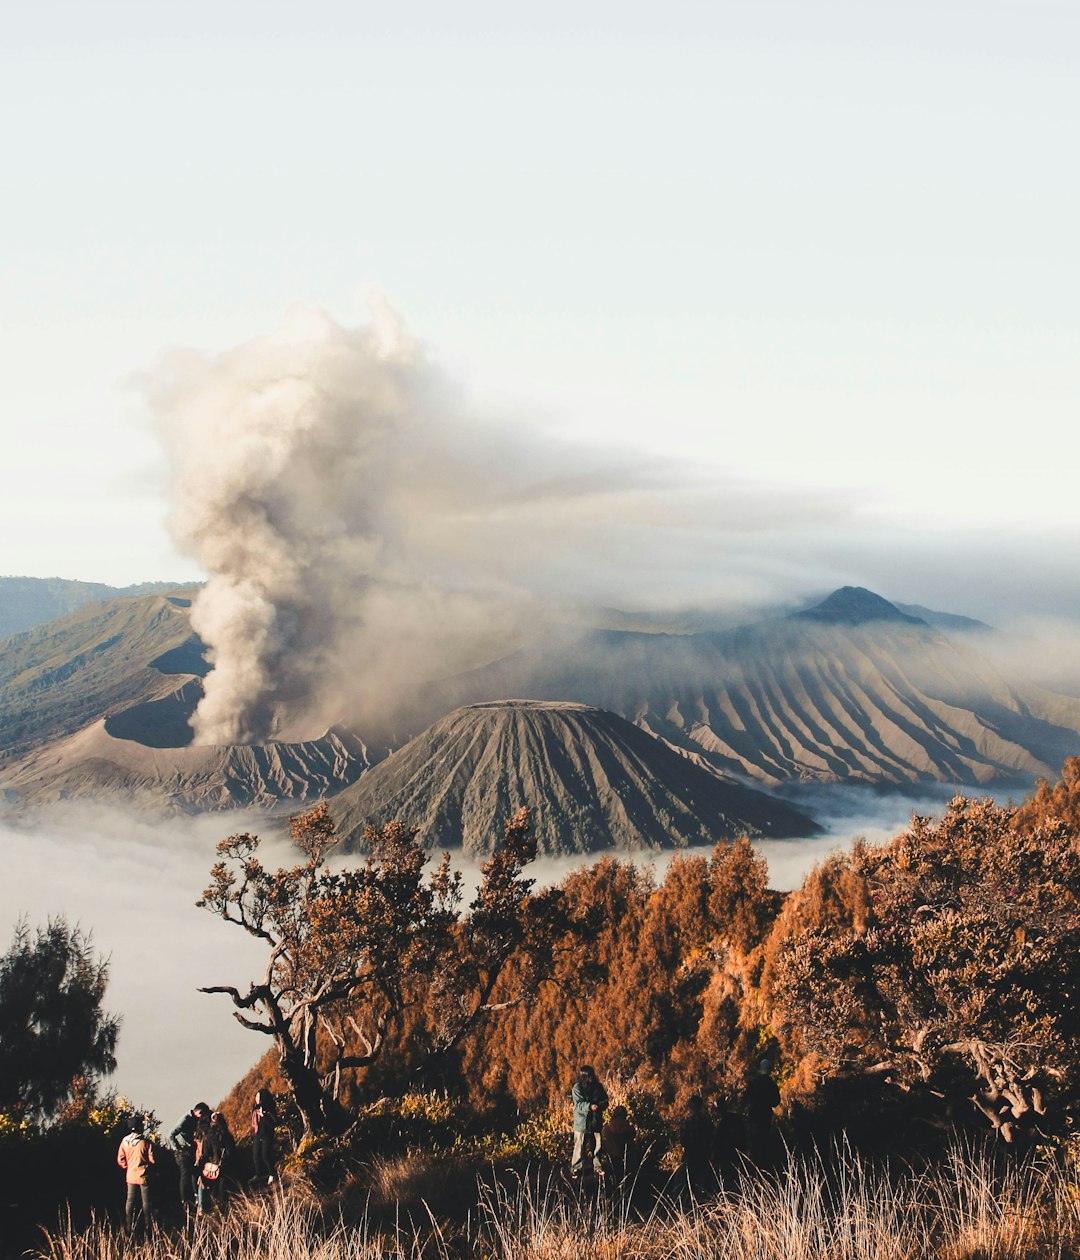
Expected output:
(96, 705)
(94, 663)
(96, 764)
(855, 689)
(592, 780)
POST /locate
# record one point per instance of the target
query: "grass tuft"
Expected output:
(409, 1207)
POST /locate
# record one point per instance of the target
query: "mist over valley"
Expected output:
(103, 704)
(417, 612)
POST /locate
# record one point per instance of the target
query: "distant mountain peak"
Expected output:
(854, 605)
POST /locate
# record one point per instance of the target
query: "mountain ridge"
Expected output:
(856, 691)
(855, 606)
(591, 780)
(884, 699)
(26, 602)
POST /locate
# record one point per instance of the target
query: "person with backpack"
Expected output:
(590, 1103)
(136, 1158)
(263, 1122)
(182, 1140)
(214, 1148)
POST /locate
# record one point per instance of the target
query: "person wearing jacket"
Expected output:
(590, 1102)
(761, 1099)
(696, 1138)
(182, 1140)
(619, 1144)
(214, 1147)
(263, 1120)
(136, 1158)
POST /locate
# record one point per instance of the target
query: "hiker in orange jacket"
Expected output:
(136, 1158)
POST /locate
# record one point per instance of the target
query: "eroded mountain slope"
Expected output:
(854, 691)
(591, 779)
(91, 664)
(94, 765)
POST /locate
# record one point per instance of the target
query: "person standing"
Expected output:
(182, 1139)
(214, 1146)
(761, 1099)
(727, 1138)
(263, 1122)
(619, 1144)
(590, 1102)
(136, 1158)
(696, 1139)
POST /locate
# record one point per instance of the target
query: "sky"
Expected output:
(808, 252)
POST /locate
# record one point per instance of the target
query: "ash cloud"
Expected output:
(364, 533)
(1042, 650)
(291, 487)
(367, 533)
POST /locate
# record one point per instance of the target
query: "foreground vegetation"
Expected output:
(908, 996)
(968, 1207)
(911, 988)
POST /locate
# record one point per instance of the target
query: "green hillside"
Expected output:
(105, 656)
(26, 602)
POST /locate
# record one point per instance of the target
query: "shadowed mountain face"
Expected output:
(592, 780)
(58, 678)
(852, 691)
(854, 606)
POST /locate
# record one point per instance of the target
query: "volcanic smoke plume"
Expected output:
(364, 533)
(309, 467)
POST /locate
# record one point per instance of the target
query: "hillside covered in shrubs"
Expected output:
(907, 997)
(932, 981)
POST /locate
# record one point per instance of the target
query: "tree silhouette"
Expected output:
(378, 957)
(52, 1027)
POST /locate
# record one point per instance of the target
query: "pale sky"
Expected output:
(824, 247)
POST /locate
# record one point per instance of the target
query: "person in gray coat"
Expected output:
(590, 1103)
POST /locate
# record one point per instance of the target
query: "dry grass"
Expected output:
(842, 1209)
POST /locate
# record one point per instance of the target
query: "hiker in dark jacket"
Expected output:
(263, 1120)
(182, 1140)
(696, 1138)
(761, 1100)
(590, 1103)
(214, 1148)
(728, 1138)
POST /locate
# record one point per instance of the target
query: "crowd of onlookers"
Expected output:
(605, 1147)
(205, 1153)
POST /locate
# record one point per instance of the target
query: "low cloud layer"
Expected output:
(133, 884)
